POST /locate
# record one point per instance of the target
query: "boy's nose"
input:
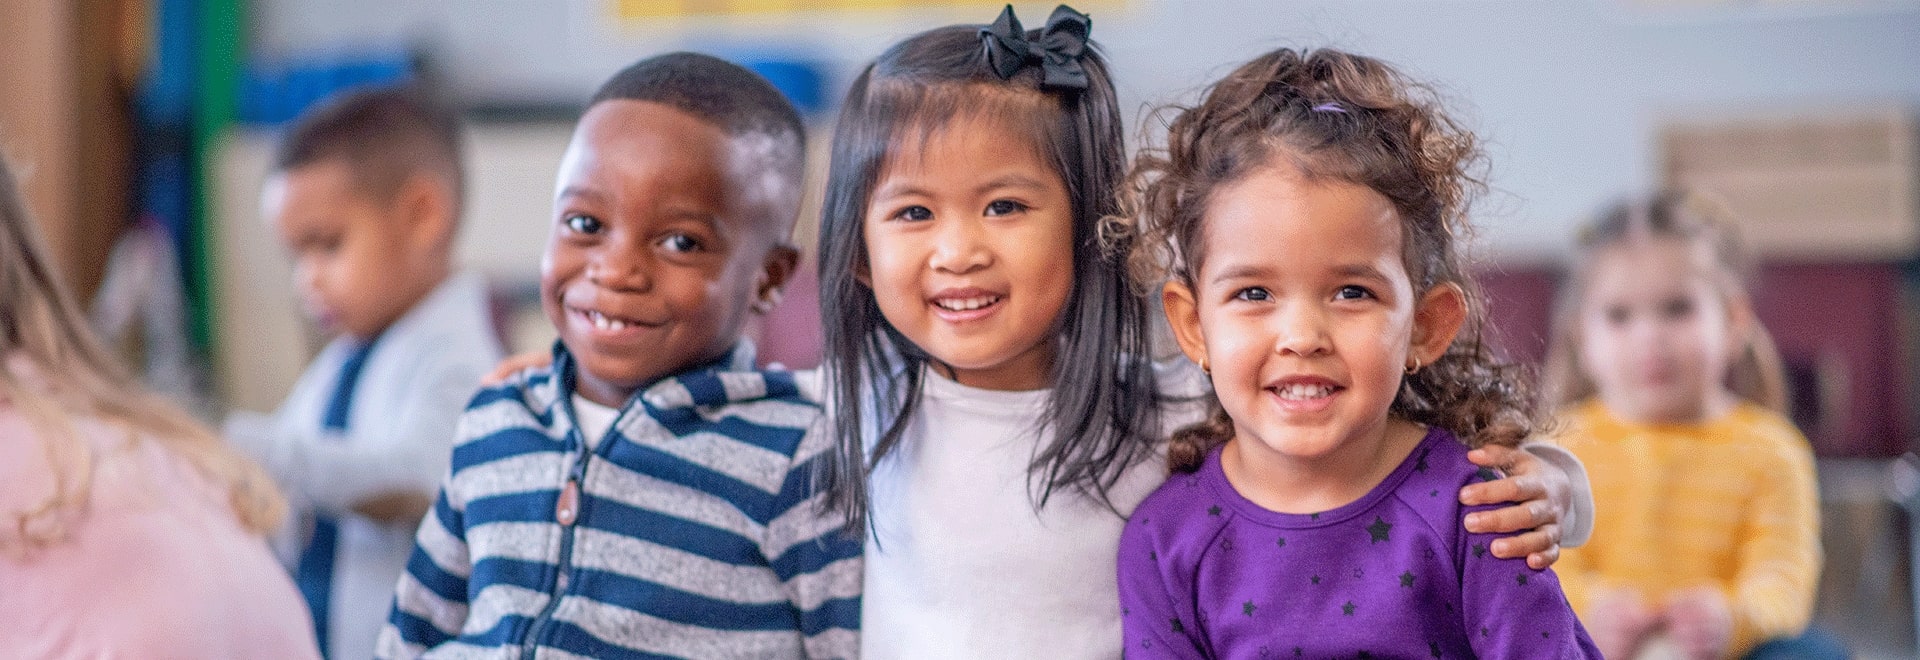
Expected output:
(621, 270)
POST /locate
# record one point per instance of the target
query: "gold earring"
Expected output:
(1203, 366)
(1415, 367)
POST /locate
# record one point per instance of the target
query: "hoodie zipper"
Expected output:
(566, 512)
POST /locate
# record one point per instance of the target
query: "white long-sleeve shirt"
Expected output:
(400, 430)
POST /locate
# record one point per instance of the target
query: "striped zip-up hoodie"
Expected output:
(694, 530)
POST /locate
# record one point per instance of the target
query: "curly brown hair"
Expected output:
(1344, 117)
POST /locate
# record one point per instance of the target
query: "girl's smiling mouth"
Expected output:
(960, 305)
(1303, 393)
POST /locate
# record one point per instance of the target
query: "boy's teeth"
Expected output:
(602, 322)
(1305, 391)
(966, 304)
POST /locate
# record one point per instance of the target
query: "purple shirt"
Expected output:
(1205, 572)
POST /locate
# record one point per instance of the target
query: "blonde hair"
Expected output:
(54, 371)
(1700, 222)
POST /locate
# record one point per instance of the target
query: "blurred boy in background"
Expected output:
(366, 194)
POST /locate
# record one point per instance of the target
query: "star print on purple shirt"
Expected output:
(1206, 573)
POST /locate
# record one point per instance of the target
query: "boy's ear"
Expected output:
(1183, 314)
(774, 273)
(426, 204)
(1436, 321)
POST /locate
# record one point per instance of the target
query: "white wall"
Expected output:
(1565, 92)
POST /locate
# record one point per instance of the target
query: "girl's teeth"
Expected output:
(1305, 391)
(966, 304)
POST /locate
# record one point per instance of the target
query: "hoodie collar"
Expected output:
(728, 379)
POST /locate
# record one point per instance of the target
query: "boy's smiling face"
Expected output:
(663, 237)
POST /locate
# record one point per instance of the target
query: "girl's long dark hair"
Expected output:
(1341, 117)
(1103, 410)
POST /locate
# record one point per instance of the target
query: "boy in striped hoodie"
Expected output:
(649, 494)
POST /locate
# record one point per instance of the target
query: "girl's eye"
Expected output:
(1352, 292)
(678, 242)
(1678, 308)
(583, 224)
(1616, 315)
(1004, 207)
(1253, 294)
(914, 213)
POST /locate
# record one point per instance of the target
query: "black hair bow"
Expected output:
(1059, 47)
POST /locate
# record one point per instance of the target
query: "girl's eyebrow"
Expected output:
(1010, 180)
(1242, 271)
(892, 190)
(1364, 271)
(1239, 271)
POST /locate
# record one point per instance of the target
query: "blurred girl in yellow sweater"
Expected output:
(1706, 537)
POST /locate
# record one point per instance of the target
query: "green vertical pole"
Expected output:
(217, 80)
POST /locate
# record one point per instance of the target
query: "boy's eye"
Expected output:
(678, 242)
(915, 213)
(324, 245)
(1253, 294)
(583, 224)
(1004, 207)
(1352, 292)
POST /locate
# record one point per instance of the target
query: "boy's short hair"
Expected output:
(384, 134)
(725, 94)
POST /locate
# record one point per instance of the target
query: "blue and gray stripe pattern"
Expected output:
(698, 532)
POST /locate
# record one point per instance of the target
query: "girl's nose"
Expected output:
(961, 247)
(1301, 331)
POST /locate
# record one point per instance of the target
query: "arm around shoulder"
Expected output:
(818, 563)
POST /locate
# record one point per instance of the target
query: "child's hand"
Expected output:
(1542, 492)
(1619, 622)
(1700, 621)
(395, 507)
(515, 364)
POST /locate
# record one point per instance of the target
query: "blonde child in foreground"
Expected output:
(1708, 541)
(126, 529)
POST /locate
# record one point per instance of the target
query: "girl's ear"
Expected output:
(1183, 313)
(774, 273)
(1437, 321)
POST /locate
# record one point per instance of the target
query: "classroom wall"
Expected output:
(1566, 93)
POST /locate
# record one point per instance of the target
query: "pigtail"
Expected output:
(1758, 374)
(1188, 447)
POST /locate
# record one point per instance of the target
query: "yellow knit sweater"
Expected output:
(1729, 503)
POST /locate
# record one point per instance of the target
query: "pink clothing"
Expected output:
(155, 566)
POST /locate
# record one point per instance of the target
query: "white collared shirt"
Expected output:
(410, 393)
